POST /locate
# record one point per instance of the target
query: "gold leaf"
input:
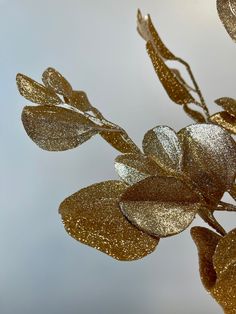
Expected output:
(181, 80)
(195, 115)
(225, 253)
(229, 104)
(209, 159)
(163, 145)
(55, 128)
(54, 80)
(133, 168)
(206, 213)
(148, 32)
(225, 120)
(227, 13)
(224, 290)
(92, 216)
(120, 141)
(176, 91)
(80, 101)
(206, 242)
(160, 206)
(36, 92)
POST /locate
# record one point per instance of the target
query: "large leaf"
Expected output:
(160, 206)
(176, 91)
(54, 80)
(206, 242)
(209, 159)
(92, 216)
(163, 145)
(133, 168)
(225, 120)
(55, 128)
(36, 92)
(227, 13)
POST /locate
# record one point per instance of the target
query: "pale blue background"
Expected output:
(95, 44)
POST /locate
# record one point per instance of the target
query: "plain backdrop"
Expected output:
(94, 43)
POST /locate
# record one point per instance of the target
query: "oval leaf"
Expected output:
(227, 13)
(163, 145)
(92, 216)
(229, 104)
(133, 168)
(193, 114)
(55, 128)
(160, 206)
(209, 159)
(54, 80)
(225, 253)
(206, 242)
(225, 120)
(176, 91)
(36, 92)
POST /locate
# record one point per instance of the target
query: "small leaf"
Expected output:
(225, 120)
(209, 159)
(160, 206)
(120, 141)
(225, 253)
(176, 91)
(229, 104)
(206, 213)
(227, 13)
(92, 216)
(133, 168)
(193, 114)
(163, 145)
(181, 80)
(54, 80)
(206, 242)
(148, 32)
(224, 290)
(36, 92)
(55, 128)
(80, 101)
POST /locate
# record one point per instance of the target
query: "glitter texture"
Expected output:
(93, 217)
(227, 13)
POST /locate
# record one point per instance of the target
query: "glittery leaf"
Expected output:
(92, 216)
(176, 91)
(209, 159)
(120, 141)
(227, 13)
(224, 290)
(36, 92)
(195, 115)
(225, 253)
(148, 32)
(55, 128)
(163, 145)
(181, 80)
(54, 80)
(229, 104)
(80, 101)
(207, 214)
(225, 120)
(206, 242)
(160, 206)
(133, 168)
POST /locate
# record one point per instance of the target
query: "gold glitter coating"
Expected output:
(194, 114)
(92, 216)
(225, 252)
(164, 146)
(227, 13)
(56, 129)
(226, 120)
(36, 92)
(209, 158)
(80, 101)
(52, 79)
(133, 168)
(175, 90)
(160, 206)
(206, 242)
(229, 104)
